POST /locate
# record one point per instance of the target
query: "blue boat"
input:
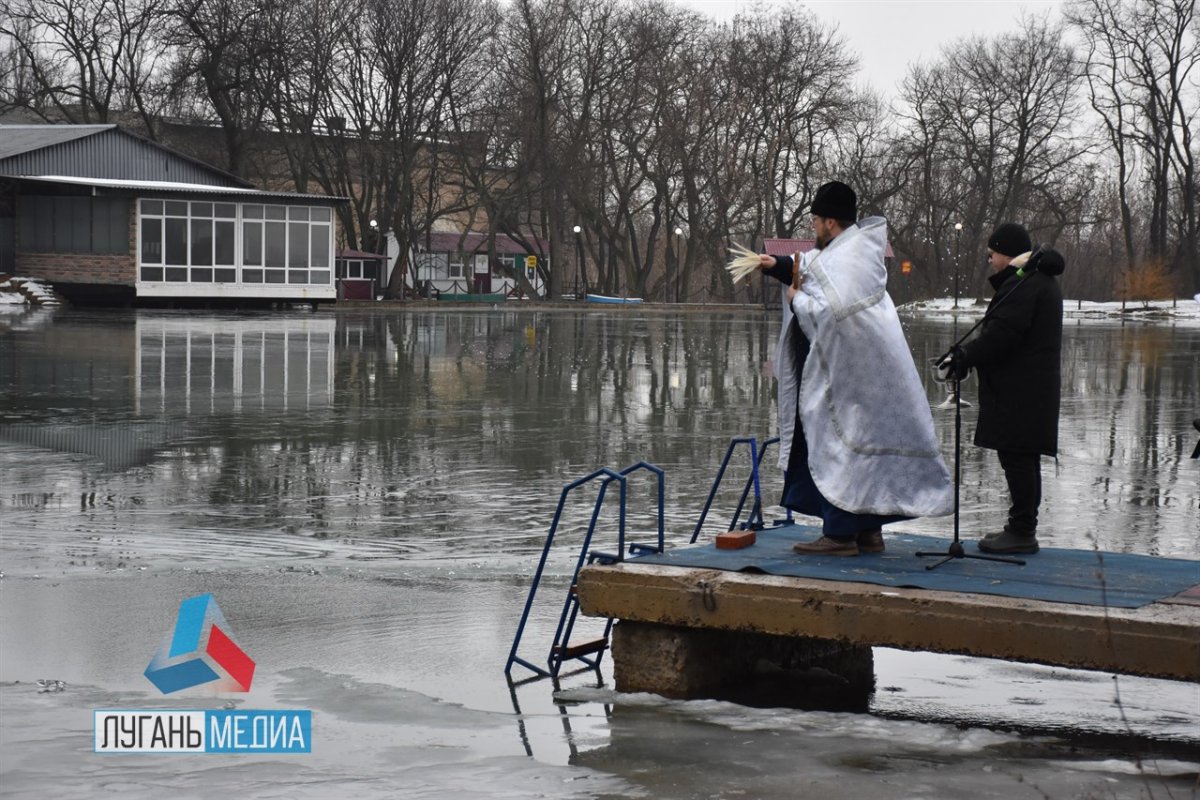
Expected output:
(601, 298)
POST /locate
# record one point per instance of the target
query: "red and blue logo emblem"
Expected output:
(200, 651)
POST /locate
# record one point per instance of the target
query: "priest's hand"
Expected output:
(766, 262)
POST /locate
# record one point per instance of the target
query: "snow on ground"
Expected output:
(1179, 310)
(26, 291)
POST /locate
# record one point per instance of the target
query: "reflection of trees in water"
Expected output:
(407, 421)
(426, 400)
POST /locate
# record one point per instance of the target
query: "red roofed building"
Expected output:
(358, 274)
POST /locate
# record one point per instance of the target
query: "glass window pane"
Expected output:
(320, 215)
(319, 277)
(252, 244)
(297, 276)
(152, 273)
(177, 273)
(224, 243)
(276, 275)
(202, 209)
(252, 276)
(202, 244)
(252, 212)
(225, 210)
(225, 275)
(176, 208)
(276, 212)
(152, 207)
(276, 244)
(204, 275)
(319, 234)
(297, 244)
(175, 242)
(298, 212)
(151, 241)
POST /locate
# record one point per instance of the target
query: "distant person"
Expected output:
(856, 435)
(1018, 352)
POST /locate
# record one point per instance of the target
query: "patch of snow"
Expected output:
(1174, 310)
(18, 291)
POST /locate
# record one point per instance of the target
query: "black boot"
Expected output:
(1009, 542)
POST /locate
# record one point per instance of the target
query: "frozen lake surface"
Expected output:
(366, 495)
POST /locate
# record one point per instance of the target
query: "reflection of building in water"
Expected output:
(216, 365)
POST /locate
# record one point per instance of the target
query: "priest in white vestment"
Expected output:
(856, 435)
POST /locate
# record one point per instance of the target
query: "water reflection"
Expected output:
(446, 432)
(372, 491)
(220, 367)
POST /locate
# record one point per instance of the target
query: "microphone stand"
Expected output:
(956, 549)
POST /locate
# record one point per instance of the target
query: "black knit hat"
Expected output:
(835, 200)
(1010, 239)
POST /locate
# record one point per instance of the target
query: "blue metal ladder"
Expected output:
(755, 519)
(560, 650)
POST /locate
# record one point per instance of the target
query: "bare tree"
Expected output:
(393, 79)
(1140, 60)
(81, 60)
(992, 140)
(298, 94)
(222, 50)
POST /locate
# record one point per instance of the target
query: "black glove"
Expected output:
(1046, 259)
(950, 367)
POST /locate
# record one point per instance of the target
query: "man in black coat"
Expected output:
(1017, 354)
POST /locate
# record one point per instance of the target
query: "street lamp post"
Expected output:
(678, 256)
(579, 261)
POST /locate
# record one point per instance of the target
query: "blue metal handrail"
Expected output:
(636, 547)
(755, 520)
(559, 650)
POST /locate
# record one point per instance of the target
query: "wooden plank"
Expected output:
(1160, 640)
(581, 649)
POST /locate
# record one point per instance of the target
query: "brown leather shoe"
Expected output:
(870, 541)
(827, 547)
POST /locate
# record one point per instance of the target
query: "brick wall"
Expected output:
(76, 268)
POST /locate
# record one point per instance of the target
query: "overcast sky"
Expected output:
(889, 34)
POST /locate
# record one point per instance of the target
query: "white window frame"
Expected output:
(311, 273)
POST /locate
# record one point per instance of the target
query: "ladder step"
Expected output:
(582, 649)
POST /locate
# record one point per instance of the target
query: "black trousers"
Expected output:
(1023, 471)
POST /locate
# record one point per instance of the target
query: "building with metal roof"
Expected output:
(104, 214)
